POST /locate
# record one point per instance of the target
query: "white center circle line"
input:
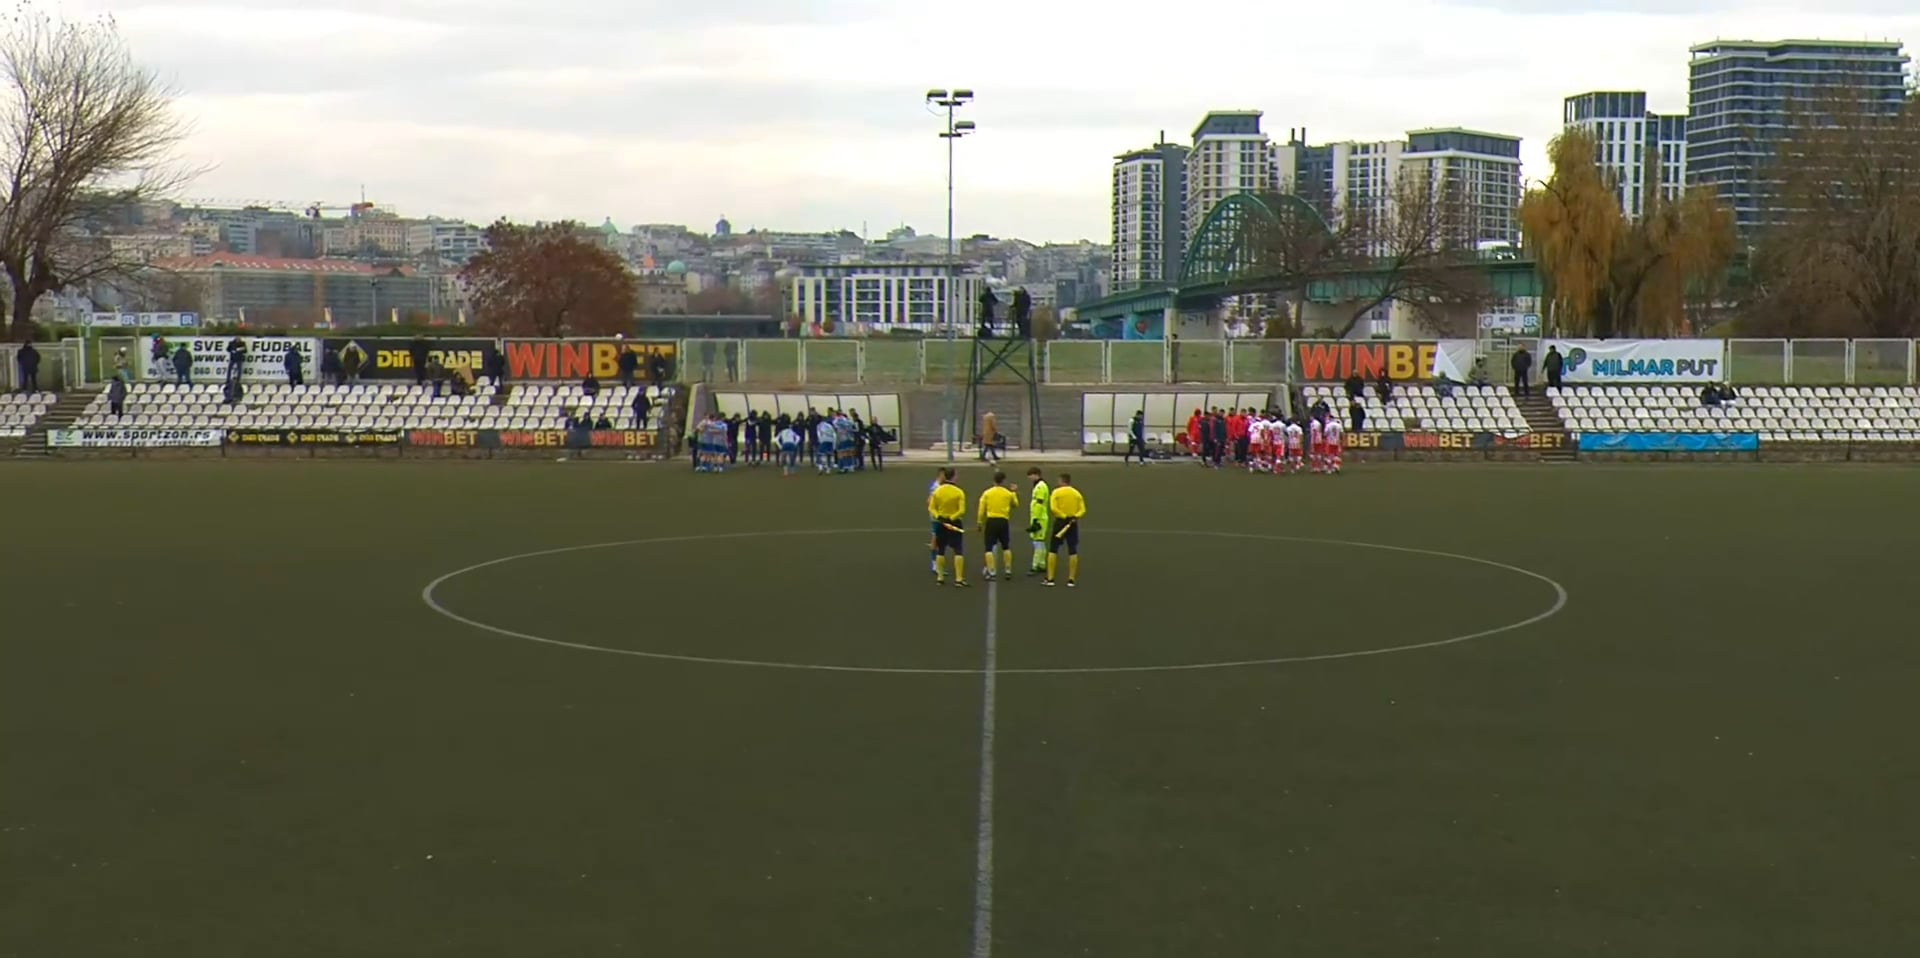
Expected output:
(428, 596)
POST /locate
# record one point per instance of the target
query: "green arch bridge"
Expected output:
(1230, 252)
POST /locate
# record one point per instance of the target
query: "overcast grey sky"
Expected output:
(807, 114)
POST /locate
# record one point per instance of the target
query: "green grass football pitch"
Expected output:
(231, 725)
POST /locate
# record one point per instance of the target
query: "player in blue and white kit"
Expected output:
(823, 446)
(789, 441)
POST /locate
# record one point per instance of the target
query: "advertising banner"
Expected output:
(573, 359)
(1421, 441)
(393, 358)
(131, 438)
(1641, 360)
(266, 358)
(532, 439)
(141, 320)
(309, 437)
(1670, 442)
(1325, 361)
(1510, 324)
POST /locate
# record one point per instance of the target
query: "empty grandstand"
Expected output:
(366, 407)
(1775, 413)
(19, 412)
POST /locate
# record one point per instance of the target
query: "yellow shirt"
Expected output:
(1067, 503)
(948, 503)
(997, 503)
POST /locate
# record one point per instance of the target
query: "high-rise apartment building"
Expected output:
(1482, 170)
(1744, 95)
(1230, 155)
(1149, 215)
(1637, 150)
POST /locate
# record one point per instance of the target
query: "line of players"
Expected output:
(1262, 441)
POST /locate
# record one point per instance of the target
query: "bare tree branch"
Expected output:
(85, 135)
(1419, 249)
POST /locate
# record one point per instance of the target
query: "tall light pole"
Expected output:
(951, 100)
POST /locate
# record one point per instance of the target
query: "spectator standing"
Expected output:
(493, 363)
(121, 364)
(28, 361)
(330, 366)
(732, 352)
(641, 406)
(1522, 371)
(158, 355)
(629, 364)
(657, 369)
(1385, 388)
(117, 398)
(1555, 366)
(291, 361)
(417, 352)
(706, 361)
(1356, 387)
(1136, 438)
(436, 373)
(877, 439)
(183, 365)
(1358, 414)
(352, 359)
(236, 359)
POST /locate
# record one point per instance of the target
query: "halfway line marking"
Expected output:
(983, 838)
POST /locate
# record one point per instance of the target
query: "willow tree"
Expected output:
(1606, 274)
(86, 134)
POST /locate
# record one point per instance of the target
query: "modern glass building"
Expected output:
(1636, 149)
(1743, 96)
(1149, 215)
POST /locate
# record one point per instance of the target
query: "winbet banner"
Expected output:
(1444, 441)
(265, 362)
(1640, 360)
(393, 358)
(1325, 361)
(573, 359)
(532, 439)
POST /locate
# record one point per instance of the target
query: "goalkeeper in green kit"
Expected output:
(1039, 521)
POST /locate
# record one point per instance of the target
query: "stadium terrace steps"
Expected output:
(64, 412)
(1542, 418)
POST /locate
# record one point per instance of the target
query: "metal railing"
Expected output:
(1097, 362)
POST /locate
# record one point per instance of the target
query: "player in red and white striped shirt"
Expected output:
(1316, 444)
(1334, 436)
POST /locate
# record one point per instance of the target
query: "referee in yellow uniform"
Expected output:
(947, 506)
(996, 520)
(1068, 508)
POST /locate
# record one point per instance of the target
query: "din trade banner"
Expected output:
(392, 359)
(310, 437)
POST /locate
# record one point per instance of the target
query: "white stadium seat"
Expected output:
(20, 411)
(1417, 408)
(365, 407)
(1776, 413)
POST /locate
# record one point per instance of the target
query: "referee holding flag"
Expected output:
(947, 506)
(1067, 507)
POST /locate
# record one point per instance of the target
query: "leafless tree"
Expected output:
(86, 134)
(1417, 248)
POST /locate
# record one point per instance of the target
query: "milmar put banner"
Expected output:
(1641, 360)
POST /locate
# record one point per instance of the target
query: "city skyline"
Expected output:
(586, 109)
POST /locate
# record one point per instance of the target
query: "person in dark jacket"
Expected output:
(1522, 371)
(1385, 390)
(859, 442)
(291, 362)
(117, 398)
(1356, 387)
(1358, 414)
(330, 367)
(417, 357)
(733, 439)
(493, 363)
(657, 369)
(602, 424)
(706, 361)
(1555, 366)
(1321, 410)
(183, 365)
(1218, 430)
(641, 407)
(236, 359)
(28, 361)
(750, 436)
(765, 428)
(590, 386)
(877, 438)
(629, 364)
(1136, 438)
(732, 352)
